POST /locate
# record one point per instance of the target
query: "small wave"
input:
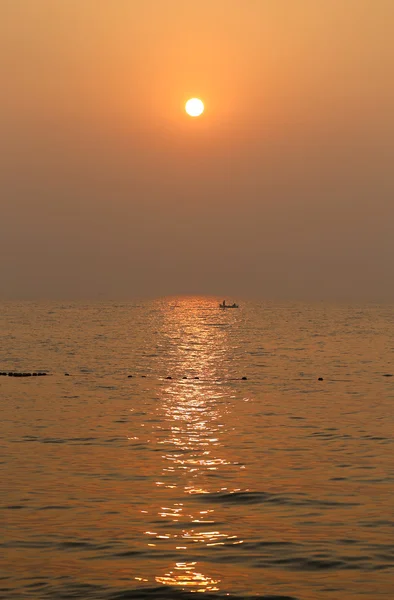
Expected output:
(96, 592)
(306, 564)
(55, 507)
(173, 594)
(237, 497)
(26, 544)
(82, 441)
(247, 497)
(129, 553)
(377, 523)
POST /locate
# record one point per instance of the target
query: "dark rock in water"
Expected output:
(168, 377)
(184, 377)
(320, 379)
(10, 374)
(34, 374)
(387, 375)
(129, 376)
(244, 378)
(66, 374)
(196, 378)
(143, 376)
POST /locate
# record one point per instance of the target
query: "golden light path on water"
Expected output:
(192, 454)
(116, 487)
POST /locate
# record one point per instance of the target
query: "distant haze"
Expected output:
(283, 189)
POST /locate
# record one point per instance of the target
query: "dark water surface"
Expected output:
(280, 486)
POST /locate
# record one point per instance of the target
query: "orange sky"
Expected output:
(284, 188)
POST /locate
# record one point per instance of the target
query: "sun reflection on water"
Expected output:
(184, 574)
(193, 455)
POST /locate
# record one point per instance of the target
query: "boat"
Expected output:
(224, 305)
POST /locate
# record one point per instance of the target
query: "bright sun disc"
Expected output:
(194, 107)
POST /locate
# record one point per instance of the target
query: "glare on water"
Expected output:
(184, 476)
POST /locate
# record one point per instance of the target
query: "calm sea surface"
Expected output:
(278, 486)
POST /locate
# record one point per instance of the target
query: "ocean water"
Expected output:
(278, 486)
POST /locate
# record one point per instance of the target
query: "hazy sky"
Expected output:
(283, 189)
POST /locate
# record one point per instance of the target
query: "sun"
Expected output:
(194, 107)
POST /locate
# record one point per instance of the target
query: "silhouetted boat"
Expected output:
(224, 305)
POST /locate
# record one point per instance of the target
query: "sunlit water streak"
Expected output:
(278, 486)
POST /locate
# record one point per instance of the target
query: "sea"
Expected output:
(174, 448)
